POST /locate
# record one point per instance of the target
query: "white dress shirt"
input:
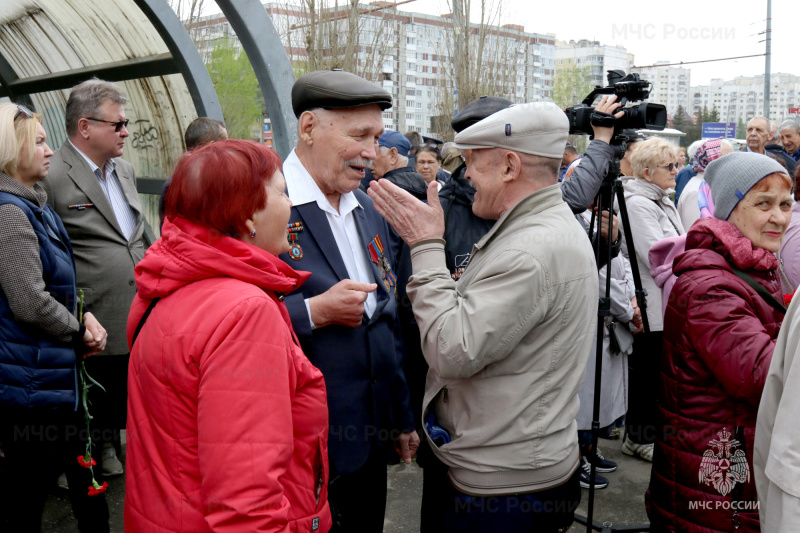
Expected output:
(109, 182)
(303, 190)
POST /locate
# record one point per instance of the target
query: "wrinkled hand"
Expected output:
(608, 104)
(94, 337)
(411, 219)
(637, 316)
(342, 304)
(406, 446)
(604, 226)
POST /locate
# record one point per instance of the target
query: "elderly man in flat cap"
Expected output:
(507, 343)
(345, 315)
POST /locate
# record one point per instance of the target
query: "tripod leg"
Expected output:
(604, 201)
(641, 293)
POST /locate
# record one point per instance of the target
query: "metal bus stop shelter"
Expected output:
(49, 46)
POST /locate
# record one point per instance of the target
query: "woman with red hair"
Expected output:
(227, 419)
(720, 326)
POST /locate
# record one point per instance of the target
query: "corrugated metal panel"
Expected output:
(47, 36)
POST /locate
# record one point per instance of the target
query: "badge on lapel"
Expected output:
(377, 256)
(295, 251)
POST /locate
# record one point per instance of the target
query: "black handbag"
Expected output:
(621, 337)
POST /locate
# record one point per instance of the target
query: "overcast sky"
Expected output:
(674, 31)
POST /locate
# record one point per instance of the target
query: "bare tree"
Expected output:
(476, 59)
(189, 12)
(343, 35)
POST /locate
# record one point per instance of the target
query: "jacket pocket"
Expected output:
(441, 395)
(321, 489)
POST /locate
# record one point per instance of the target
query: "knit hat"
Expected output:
(732, 176)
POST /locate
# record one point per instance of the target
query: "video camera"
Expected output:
(628, 89)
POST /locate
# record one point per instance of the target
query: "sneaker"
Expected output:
(62, 481)
(111, 465)
(601, 464)
(585, 474)
(642, 451)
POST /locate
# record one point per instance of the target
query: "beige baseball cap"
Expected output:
(536, 128)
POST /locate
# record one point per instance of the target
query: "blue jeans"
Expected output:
(547, 511)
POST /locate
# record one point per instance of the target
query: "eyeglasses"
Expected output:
(117, 125)
(670, 166)
(22, 110)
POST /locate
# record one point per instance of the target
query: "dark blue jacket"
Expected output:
(363, 367)
(37, 371)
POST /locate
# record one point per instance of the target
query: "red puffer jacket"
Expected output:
(227, 419)
(719, 335)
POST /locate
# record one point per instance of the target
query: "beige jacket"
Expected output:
(776, 454)
(507, 346)
(653, 217)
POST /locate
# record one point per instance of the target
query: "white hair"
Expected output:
(692, 150)
(400, 157)
(789, 125)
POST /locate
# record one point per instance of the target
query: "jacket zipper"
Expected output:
(444, 395)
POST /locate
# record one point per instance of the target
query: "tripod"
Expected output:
(610, 189)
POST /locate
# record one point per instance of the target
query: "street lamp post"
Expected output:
(768, 59)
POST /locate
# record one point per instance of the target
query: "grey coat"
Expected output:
(104, 259)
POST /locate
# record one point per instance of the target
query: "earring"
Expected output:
(253, 234)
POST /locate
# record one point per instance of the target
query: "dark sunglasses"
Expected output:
(117, 125)
(670, 166)
(22, 110)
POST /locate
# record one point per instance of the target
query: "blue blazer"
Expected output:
(368, 397)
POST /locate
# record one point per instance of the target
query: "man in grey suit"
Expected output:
(94, 193)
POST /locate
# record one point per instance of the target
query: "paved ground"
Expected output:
(622, 503)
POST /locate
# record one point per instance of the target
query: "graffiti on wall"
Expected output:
(143, 135)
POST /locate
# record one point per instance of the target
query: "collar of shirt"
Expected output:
(304, 190)
(110, 165)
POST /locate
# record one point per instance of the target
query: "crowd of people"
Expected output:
(379, 297)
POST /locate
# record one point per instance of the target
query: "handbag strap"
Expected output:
(672, 223)
(143, 320)
(770, 299)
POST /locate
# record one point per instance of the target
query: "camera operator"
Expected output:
(581, 188)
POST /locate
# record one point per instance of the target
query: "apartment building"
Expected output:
(408, 54)
(670, 85)
(598, 57)
(743, 97)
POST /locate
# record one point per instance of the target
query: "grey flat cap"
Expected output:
(336, 89)
(538, 128)
(477, 110)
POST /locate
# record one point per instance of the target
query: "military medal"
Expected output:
(295, 251)
(377, 256)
